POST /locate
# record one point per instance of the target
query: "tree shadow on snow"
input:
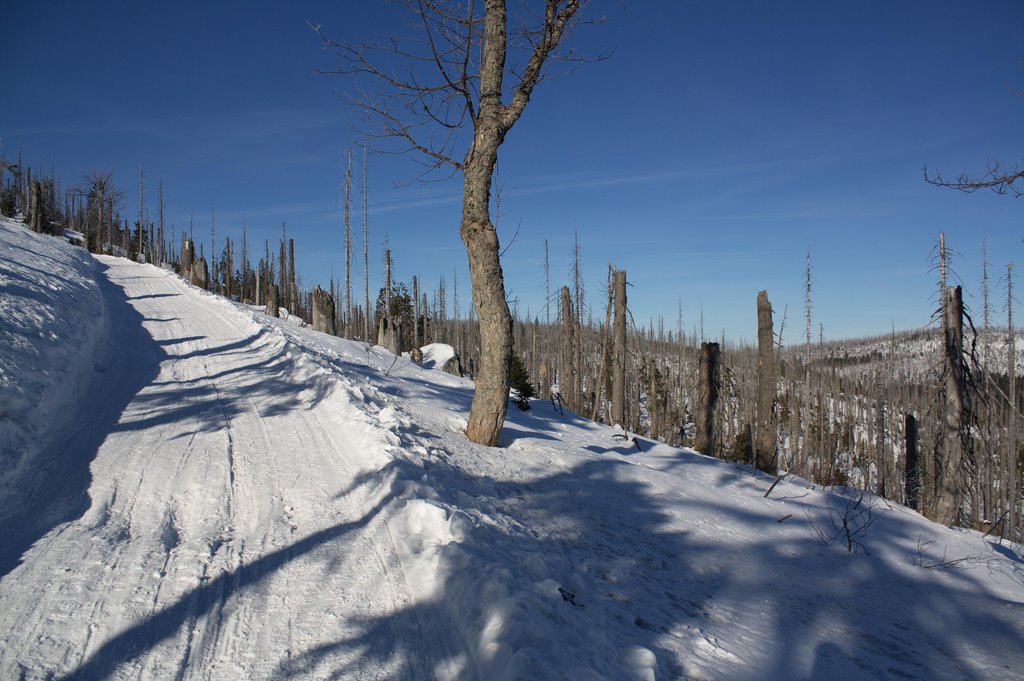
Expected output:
(594, 568)
(136, 640)
(604, 566)
(58, 492)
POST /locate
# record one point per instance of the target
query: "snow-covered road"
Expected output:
(192, 490)
(219, 542)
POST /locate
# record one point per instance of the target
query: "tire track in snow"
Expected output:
(225, 472)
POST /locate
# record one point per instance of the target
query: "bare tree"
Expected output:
(1012, 455)
(163, 254)
(708, 399)
(366, 258)
(568, 371)
(618, 415)
(293, 292)
(949, 483)
(245, 263)
(547, 286)
(765, 444)
(347, 305)
(602, 364)
(101, 197)
(460, 76)
(141, 203)
(213, 248)
(912, 484)
(997, 177)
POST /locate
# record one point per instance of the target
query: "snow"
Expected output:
(52, 315)
(204, 492)
(435, 355)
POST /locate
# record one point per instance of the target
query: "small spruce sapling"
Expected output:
(519, 381)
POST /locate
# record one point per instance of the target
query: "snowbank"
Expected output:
(52, 316)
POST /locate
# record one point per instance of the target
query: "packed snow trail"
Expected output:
(217, 543)
(245, 498)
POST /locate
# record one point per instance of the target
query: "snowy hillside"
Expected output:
(193, 490)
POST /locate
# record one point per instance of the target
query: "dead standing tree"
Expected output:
(323, 312)
(707, 392)
(765, 443)
(951, 471)
(454, 79)
(568, 371)
(619, 351)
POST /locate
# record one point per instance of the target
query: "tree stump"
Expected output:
(200, 275)
(323, 312)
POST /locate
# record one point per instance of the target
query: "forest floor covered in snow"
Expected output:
(191, 489)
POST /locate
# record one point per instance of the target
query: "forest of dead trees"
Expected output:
(929, 418)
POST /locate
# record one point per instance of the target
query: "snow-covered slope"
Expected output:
(263, 501)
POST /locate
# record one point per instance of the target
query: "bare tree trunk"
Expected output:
(949, 483)
(618, 415)
(748, 444)
(282, 267)
(568, 376)
(880, 441)
(188, 256)
(213, 244)
(244, 293)
(708, 394)
(35, 206)
(490, 400)
(141, 213)
(387, 281)
(416, 313)
(101, 204)
(273, 299)
(293, 293)
(943, 267)
(492, 122)
(426, 310)
(547, 285)
(366, 258)
(348, 247)
(912, 483)
(163, 255)
(1012, 453)
(602, 373)
(764, 446)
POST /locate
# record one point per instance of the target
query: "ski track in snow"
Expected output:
(266, 502)
(215, 517)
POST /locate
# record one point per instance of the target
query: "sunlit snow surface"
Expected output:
(194, 490)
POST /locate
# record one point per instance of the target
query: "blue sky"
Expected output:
(714, 147)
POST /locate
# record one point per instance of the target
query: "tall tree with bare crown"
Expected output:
(463, 81)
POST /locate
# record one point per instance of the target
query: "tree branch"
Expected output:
(996, 178)
(555, 23)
